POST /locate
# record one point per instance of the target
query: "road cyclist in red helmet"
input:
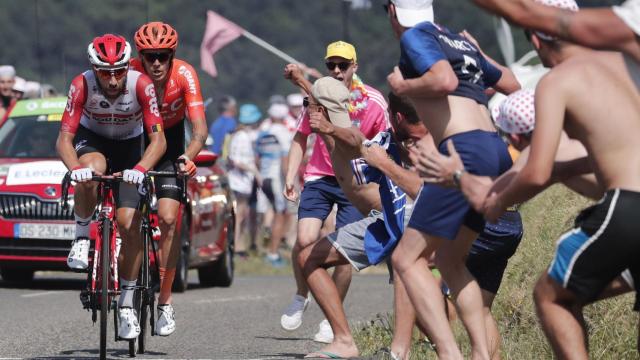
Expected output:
(178, 93)
(109, 109)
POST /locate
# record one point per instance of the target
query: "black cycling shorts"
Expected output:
(120, 154)
(602, 245)
(169, 187)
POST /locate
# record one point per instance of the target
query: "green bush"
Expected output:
(611, 324)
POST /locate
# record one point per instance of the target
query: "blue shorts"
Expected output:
(440, 211)
(318, 197)
(491, 251)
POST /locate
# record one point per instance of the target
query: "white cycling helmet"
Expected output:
(109, 51)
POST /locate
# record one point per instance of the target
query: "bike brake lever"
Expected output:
(66, 181)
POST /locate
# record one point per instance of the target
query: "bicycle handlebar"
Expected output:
(66, 182)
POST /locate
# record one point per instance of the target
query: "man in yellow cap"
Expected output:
(368, 112)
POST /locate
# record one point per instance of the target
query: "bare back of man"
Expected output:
(608, 130)
(451, 115)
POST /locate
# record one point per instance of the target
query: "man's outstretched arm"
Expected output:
(598, 28)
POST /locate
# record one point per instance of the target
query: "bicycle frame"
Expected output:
(106, 211)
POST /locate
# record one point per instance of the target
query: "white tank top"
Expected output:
(119, 120)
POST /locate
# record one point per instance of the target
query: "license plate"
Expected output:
(45, 231)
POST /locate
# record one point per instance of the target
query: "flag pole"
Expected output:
(269, 47)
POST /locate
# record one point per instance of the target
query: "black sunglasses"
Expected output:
(153, 56)
(343, 66)
(305, 101)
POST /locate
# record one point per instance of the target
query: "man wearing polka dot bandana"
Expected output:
(515, 119)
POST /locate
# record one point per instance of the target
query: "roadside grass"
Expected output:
(256, 264)
(611, 323)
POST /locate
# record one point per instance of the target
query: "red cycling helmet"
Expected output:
(109, 51)
(156, 35)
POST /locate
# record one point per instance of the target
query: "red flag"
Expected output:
(219, 32)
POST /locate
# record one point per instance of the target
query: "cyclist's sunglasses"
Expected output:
(343, 66)
(151, 57)
(106, 74)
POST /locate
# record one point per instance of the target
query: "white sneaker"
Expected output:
(129, 327)
(325, 333)
(292, 317)
(79, 255)
(166, 323)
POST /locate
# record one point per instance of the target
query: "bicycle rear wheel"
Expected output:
(104, 294)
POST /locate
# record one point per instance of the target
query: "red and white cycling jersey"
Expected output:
(181, 93)
(121, 119)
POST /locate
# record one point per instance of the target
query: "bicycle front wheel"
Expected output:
(137, 303)
(105, 265)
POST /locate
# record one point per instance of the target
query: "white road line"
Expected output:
(40, 294)
(236, 298)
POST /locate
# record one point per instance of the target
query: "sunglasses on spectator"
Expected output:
(151, 57)
(106, 74)
(343, 66)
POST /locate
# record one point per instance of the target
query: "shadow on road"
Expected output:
(45, 284)
(280, 338)
(111, 353)
(283, 356)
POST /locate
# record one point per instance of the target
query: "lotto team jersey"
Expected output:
(181, 93)
(371, 120)
(427, 43)
(119, 119)
(381, 237)
(271, 145)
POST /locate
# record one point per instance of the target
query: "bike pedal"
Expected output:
(85, 299)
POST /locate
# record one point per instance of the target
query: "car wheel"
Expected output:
(220, 273)
(181, 281)
(17, 275)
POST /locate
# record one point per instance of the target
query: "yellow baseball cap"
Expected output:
(341, 49)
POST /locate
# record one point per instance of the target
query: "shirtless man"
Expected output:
(445, 76)
(346, 246)
(613, 28)
(605, 232)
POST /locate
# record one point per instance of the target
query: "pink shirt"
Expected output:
(370, 120)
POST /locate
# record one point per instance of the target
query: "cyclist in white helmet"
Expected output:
(109, 108)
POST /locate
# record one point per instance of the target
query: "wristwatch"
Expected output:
(457, 175)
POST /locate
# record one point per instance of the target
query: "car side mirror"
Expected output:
(205, 158)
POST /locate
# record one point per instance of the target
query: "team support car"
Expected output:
(36, 232)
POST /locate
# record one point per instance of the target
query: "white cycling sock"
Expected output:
(126, 294)
(82, 226)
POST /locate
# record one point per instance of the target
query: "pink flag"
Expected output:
(219, 32)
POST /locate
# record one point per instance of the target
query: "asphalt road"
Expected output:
(46, 320)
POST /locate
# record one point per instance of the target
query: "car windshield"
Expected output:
(29, 137)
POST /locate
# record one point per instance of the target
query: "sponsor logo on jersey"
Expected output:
(182, 70)
(104, 104)
(81, 144)
(461, 45)
(150, 91)
(70, 109)
(176, 104)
